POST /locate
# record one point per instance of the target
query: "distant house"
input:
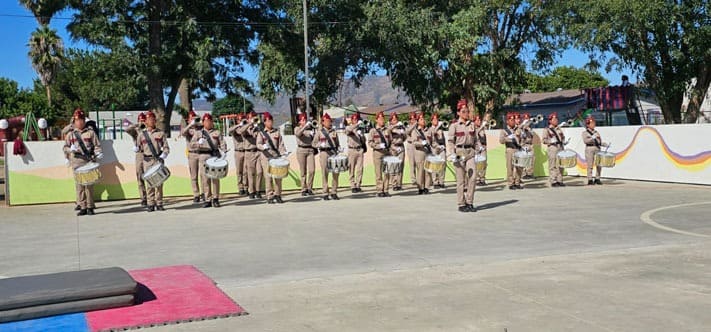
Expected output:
(567, 103)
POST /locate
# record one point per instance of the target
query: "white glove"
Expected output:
(73, 148)
(66, 161)
(512, 136)
(381, 146)
(398, 149)
(596, 135)
(100, 156)
(424, 142)
(135, 149)
(359, 132)
(265, 147)
(605, 144)
(452, 157)
(360, 122)
(163, 156)
(322, 145)
(399, 124)
(201, 141)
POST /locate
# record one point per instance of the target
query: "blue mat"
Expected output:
(62, 323)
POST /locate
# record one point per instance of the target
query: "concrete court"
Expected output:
(542, 259)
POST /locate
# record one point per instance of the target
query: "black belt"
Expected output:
(326, 149)
(306, 146)
(251, 150)
(398, 144)
(80, 156)
(148, 158)
(205, 152)
(355, 148)
(240, 150)
(465, 146)
(591, 145)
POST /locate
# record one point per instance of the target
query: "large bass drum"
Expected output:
(156, 175)
(88, 174)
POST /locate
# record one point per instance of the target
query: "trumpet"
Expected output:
(533, 121)
(142, 126)
(255, 120)
(444, 125)
(244, 122)
(491, 123)
(313, 124)
(568, 123)
(196, 121)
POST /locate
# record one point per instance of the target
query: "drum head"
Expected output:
(391, 159)
(479, 159)
(435, 159)
(216, 162)
(154, 168)
(606, 154)
(567, 153)
(88, 167)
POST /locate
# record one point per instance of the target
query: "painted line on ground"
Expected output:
(646, 217)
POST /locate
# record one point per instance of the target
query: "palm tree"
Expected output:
(46, 53)
(43, 10)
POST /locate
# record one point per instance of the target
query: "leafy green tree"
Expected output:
(231, 104)
(15, 101)
(669, 42)
(565, 78)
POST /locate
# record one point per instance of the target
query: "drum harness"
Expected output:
(515, 142)
(597, 143)
(213, 148)
(559, 140)
(330, 141)
(361, 140)
(269, 140)
(422, 136)
(149, 141)
(383, 138)
(85, 151)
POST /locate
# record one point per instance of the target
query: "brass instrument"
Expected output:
(568, 123)
(444, 125)
(314, 124)
(491, 123)
(196, 121)
(244, 122)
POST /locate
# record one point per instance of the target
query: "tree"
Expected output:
(15, 101)
(231, 104)
(173, 40)
(45, 45)
(669, 42)
(565, 78)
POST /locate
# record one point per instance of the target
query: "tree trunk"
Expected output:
(186, 98)
(49, 95)
(155, 85)
(698, 93)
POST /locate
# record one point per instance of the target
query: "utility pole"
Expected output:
(306, 59)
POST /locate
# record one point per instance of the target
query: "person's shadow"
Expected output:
(110, 182)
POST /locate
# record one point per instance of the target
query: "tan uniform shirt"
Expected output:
(237, 138)
(188, 132)
(589, 140)
(376, 139)
(304, 136)
(321, 140)
(250, 139)
(549, 137)
(159, 140)
(416, 139)
(511, 143)
(217, 140)
(356, 137)
(91, 142)
(399, 135)
(462, 139)
(277, 140)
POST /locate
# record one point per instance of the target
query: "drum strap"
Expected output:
(509, 132)
(269, 140)
(560, 141)
(361, 139)
(422, 136)
(328, 138)
(82, 146)
(595, 140)
(382, 137)
(211, 143)
(151, 147)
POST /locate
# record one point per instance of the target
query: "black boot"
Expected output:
(326, 197)
(216, 203)
(258, 195)
(160, 208)
(202, 197)
(207, 204)
(77, 208)
(354, 190)
(464, 208)
(278, 199)
(420, 191)
(561, 184)
(252, 195)
(82, 212)
(270, 200)
(151, 208)
(144, 203)
(90, 212)
(471, 208)
(334, 197)
(598, 182)
(196, 199)
(590, 182)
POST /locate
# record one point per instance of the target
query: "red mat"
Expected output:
(173, 294)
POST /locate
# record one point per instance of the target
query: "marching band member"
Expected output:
(326, 140)
(461, 145)
(481, 135)
(271, 144)
(134, 130)
(356, 150)
(305, 154)
(422, 140)
(83, 146)
(553, 137)
(67, 156)
(380, 143)
(238, 141)
(439, 145)
(209, 143)
(193, 155)
(399, 135)
(152, 142)
(251, 156)
(510, 136)
(410, 149)
(593, 142)
(527, 144)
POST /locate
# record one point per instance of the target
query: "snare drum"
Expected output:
(337, 164)
(523, 159)
(278, 168)
(480, 162)
(567, 158)
(216, 168)
(156, 175)
(391, 165)
(434, 164)
(605, 159)
(88, 174)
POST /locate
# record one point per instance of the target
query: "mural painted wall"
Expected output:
(674, 153)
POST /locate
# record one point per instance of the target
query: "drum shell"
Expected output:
(523, 159)
(156, 175)
(88, 174)
(278, 168)
(391, 165)
(480, 162)
(216, 168)
(605, 159)
(337, 164)
(434, 164)
(566, 159)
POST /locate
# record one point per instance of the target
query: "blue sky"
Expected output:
(16, 24)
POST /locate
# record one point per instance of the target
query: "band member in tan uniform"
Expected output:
(511, 137)
(399, 134)
(410, 149)
(553, 137)
(67, 156)
(357, 148)
(380, 143)
(209, 143)
(193, 124)
(134, 130)
(593, 142)
(326, 141)
(82, 146)
(422, 139)
(271, 144)
(527, 143)
(238, 141)
(306, 154)
(159, 141)
(251, 156)
(439, 147)
(461, 144)
(481, 135)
